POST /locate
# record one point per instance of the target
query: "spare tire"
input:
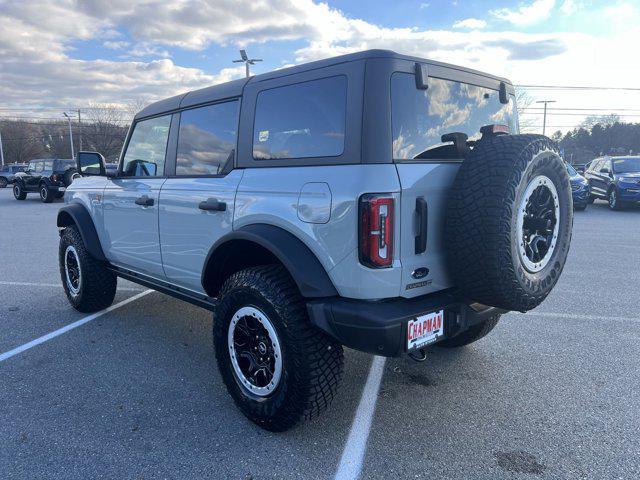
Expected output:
(70, 175)
(509, 221)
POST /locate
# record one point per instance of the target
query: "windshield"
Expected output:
(626, 165)
(572, 171)
(420, 117)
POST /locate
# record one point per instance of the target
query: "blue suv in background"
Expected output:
(579, 188)
(615, 179)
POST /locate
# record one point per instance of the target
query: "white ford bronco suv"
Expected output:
(376, 201)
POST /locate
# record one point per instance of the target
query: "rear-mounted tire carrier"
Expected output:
(509, 221)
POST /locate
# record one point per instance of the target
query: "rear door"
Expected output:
(32, 179)
(453, 102)
(130, 200)
(197, 200)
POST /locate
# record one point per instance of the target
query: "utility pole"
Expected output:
(247, 61)
(544, 119)
(73, 155)
(1, 151)
(80, 129)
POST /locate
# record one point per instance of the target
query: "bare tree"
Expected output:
(523, 102)
(104, 129)
(21, 141)
(603, 120)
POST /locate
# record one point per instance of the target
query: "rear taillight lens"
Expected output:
(376, 230)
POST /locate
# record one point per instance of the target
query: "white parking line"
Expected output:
(577, 316)
(356, 446)
(33, 284)
(71, 326)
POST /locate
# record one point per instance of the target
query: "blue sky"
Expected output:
(72, 53)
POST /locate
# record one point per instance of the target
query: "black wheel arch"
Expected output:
(76, 214)
(261, 244)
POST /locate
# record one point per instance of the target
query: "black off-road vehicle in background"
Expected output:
(49, 177)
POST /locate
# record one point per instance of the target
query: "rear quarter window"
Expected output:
(303, 120)
(420, 117)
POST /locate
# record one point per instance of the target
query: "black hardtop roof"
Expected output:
(234, 88)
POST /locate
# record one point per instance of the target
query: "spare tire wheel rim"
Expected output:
(255, 351)
(72, 270)
(538, 223)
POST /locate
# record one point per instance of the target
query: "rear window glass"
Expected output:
(301, 121)
(207, 139)
(626, 165)
(420, 117)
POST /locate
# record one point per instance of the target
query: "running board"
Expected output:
(202, 301)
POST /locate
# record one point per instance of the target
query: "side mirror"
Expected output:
(90, 163)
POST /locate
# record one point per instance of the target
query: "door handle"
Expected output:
(423, 218)
(145, 201)
(212, 205)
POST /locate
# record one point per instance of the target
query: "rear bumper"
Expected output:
(380, 327)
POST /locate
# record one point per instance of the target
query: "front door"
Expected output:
(130, 201)
(197, 201)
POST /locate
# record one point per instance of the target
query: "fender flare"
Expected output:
(77, 214)
(301, 263)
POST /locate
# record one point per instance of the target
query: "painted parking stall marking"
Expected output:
(354, 450)
(71, 326)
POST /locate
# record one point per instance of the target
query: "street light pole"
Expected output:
(1, 152)
(247, 61)
(80, 129)
(544, 119)
(73, 155)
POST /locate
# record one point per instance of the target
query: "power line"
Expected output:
(575, 87)
(579, 114)
(585, 109)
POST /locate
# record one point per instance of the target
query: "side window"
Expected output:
(48, 165)
(146, 152)
(304, 120)
(207, 139)
(37, 167)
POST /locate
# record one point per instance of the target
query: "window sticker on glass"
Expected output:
(263, 136)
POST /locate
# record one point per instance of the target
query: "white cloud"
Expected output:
(471, 23)
(37, 64)
(526, 14)
(115, 45)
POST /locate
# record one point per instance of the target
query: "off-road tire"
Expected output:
(97, 283)
(613, 199)
(483, 245)
(3, 182)
(471, 335)
(18, 191)
(68, 175)
(46, 195)
(312, 362)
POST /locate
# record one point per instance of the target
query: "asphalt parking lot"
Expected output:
(135, 393)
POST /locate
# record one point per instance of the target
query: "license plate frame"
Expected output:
(425, 329)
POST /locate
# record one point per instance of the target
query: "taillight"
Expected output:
(376, 230)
